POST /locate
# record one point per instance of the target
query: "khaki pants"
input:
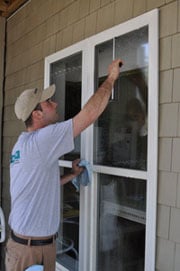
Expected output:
(19, 257)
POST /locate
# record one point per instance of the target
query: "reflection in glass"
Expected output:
(121, 132)
(68, 235)
(66, 74)
(121, 233)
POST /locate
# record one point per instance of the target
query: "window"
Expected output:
(122, 219)
(124, 122)
(66, 74)
(118, 210)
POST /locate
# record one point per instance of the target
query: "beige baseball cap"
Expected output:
(29, 99)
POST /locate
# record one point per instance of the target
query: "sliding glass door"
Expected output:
(66, 74)
(111, 223)
(120, 140)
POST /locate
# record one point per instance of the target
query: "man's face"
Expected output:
(49, 111)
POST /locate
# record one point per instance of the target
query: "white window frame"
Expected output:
(2, 226)
(88, 195)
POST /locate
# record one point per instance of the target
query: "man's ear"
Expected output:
(37, 114)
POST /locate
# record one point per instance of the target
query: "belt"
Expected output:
(33, 242)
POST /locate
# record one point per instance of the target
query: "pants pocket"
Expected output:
(11, 258)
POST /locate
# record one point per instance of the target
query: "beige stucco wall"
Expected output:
(44, 27)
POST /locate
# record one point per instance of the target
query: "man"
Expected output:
(34, 171)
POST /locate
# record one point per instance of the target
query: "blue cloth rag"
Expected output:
(85, 177)
(35, 267)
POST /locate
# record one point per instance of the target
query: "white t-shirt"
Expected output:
(35, 179)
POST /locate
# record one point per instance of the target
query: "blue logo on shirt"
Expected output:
(15, 157)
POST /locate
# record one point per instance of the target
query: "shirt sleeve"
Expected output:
(55, 140)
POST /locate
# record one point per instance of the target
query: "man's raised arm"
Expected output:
(98, 101)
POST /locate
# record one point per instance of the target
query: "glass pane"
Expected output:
(121, 233)
(121, 132)
(68, 236)
(66, 74)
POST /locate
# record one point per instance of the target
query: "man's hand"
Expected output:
(114, 69)
(76, 170)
